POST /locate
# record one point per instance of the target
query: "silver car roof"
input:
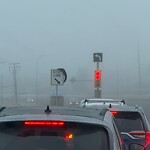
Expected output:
(34, 111)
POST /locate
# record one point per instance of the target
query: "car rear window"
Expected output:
(43, 136)
(129, 121)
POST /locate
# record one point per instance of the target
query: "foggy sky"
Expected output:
(66, 33)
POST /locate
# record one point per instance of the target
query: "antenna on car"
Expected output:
(47, 110)
(110, 106)
(123, 101)
(85, 102)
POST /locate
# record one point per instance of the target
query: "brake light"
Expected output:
(147, 137)
(43, 123)
(68, 136)
(114, 112)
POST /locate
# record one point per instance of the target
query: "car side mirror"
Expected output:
(134, 146)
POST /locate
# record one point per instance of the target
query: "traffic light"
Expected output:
(97, 79)
(97, 74)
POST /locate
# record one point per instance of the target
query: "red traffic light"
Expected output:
(97, 74)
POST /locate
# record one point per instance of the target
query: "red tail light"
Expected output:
(68, 136)
(43, 123)
(147, 137)
(114, 112)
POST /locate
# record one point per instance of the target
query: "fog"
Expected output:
(42, 35)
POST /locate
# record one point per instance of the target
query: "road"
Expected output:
(142, 101)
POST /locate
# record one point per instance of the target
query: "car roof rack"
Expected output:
(104, 101)
(123, 101)
(110, 106)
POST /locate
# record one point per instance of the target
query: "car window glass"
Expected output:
(72, 136)
(129, 121)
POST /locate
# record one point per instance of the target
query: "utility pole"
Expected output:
(139, 70)
(117, 80)
(1, 89)
(14, 67)
(1, 84)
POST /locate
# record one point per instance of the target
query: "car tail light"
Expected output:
(114, 112)
(43, 123)
(68, 136)
(147, 137)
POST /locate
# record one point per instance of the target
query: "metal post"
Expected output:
(97, 65)
(56, 95)
(36, 82)
(1, 89)
(2, 62)
(117, 81)
(15, 84)
(139, 70)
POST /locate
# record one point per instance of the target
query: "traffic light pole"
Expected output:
(97, 65)
(98, 89)
(97, 57)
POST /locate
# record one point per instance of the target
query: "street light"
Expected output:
(139, 70)
(37, 65)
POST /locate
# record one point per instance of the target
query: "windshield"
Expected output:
(69, 136)
(59, 52)
(129, 121)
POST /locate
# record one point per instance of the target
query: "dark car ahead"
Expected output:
(55, 128)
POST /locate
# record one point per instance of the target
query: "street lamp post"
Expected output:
(139, 70)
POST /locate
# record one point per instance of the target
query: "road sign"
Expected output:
(97, 57)
(57, 77)
(64, 73)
